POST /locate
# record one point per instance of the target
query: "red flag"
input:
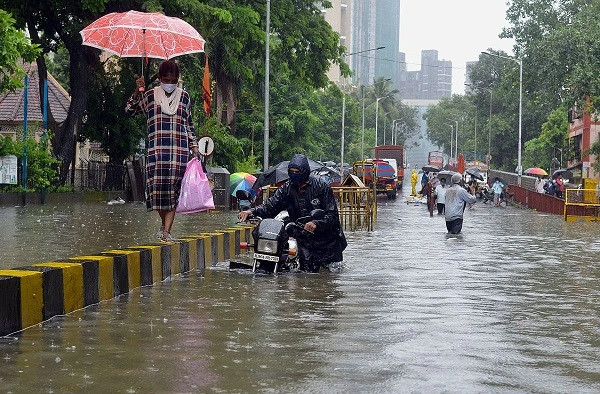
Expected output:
(206, 88)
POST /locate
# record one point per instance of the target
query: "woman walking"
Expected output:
(170, 138)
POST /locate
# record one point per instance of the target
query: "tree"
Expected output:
(51, 24)
(15, 48)
(303, 46)
(106, 121)
(540, 151)
(559, 42)
(58, 66)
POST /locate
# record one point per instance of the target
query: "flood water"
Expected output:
(511, 305)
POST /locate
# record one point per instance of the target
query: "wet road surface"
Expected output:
(511, 305)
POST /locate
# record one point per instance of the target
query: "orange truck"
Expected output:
(436, 159)
(393, 152)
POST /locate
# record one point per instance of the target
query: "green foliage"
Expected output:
(106, 120)
(42, 168)
(15, 47)
(58, 66)
(560, 43)
(228, 149)
(539, 151)
(250, 165)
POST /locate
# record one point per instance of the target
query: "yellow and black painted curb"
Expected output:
(32, 294)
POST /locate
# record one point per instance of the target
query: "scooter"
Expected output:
(275, 247)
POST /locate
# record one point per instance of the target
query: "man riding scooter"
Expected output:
(322, 241)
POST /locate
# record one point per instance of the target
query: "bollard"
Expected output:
(52, 290)
(228, 243)
(201, 246)
(72, 284)
(105, 275)
(21, 302)
(32, 294)
(155, 262)
(133, 265)
(120, 273)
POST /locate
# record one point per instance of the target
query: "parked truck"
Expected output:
(395, 152)
(377, 174)
(436, 159)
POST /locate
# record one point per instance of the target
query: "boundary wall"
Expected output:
(32, 294)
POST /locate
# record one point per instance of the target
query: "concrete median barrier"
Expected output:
(29, 295)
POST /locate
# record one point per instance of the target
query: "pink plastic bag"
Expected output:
(195, 195)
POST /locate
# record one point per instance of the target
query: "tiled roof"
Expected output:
(11, 104)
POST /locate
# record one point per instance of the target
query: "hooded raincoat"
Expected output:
(414, 178)
(328, 241)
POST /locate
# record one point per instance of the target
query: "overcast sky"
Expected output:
(458, 29)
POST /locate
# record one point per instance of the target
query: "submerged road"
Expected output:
(511, 305)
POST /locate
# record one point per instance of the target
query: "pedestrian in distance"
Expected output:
(414, 178)
(171, 136)
(301, 194)
(440, 196)
(539, 185)
(560, 187)
(424, 180)
(457, 199)
(497, 187)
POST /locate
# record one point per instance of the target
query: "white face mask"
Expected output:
(168, 87)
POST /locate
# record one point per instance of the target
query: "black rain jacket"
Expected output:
(328, 241)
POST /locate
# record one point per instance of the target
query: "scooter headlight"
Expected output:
(267, 246)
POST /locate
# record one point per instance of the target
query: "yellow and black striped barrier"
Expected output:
(32, 294)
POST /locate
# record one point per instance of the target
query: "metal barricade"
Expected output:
(357, 207)
(582, 204)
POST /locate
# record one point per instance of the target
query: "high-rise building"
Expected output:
(364, 25)
(468, 82)
(339, 16)
(375, 23)
(432, 82)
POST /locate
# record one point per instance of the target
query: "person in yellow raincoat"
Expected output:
(414, 178)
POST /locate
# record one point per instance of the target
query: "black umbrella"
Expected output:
(566, 174)
(431, 169)
(475, 173)
(279, 173)
(447, 175)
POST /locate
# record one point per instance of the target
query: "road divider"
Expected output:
(32, 294)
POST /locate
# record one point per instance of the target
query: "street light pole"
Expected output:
(519, 61)
(343, 128)
(475, 149)
(267, 55)
(490, 133)
(451, 138)
(362, 148)
(377, 115)
(394, 133)
(519, 167)
(362, 139)
(384, 125)
(455, 139)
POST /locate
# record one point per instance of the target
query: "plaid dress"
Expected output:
(170, 138)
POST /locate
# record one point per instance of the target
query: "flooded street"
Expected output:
(511, 305)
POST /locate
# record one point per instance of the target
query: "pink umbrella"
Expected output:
(535, 171)
(142, 34)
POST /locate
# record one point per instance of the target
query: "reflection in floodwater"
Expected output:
(35, 233)
(509, 305)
